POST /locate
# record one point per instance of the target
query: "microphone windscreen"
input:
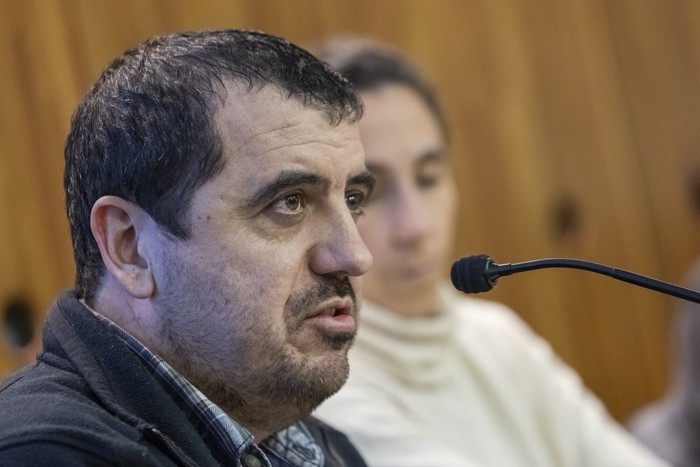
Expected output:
(469, 274)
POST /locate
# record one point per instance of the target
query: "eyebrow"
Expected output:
(293, 178)
(366, 178)
(437, 155)
(285, 180)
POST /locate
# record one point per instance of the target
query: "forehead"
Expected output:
(265, 132)
(398, 125)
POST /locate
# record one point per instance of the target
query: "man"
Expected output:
(213, 180)
(439, 378)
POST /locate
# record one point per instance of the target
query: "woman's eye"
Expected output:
(430, 174)
(427, 182)
(428, 179)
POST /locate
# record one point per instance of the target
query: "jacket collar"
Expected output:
(119, 379)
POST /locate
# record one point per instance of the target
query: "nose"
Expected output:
(341, 251)
(411, 218)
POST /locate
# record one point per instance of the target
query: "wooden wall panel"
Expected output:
(663, 98)
(574, 133)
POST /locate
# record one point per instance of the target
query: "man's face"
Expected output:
(257, 309)
(408, 224)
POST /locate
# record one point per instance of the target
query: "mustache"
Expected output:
(327, 287)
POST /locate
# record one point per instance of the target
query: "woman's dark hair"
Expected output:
(369, 65)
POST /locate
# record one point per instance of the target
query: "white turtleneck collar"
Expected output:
(413, 349)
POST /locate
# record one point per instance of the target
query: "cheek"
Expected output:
(445, 217)
(255, 276)
(373, 229)
(444, 205)
(270, 278)
(357, 283)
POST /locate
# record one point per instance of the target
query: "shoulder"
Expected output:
(48, 410)
(494, 334)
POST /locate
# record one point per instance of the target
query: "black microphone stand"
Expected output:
(496, 270)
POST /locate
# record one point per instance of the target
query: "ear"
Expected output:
(119, 227)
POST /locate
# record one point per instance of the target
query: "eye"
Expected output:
(355, 201)
(428, 181)
(290, 204)
(430, 174)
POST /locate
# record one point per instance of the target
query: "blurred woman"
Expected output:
(437, 378)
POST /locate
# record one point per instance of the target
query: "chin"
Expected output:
(326, 381)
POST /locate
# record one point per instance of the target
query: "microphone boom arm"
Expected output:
(494, 271)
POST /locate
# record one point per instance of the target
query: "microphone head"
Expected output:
(470, 274)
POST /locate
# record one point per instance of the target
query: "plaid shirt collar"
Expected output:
(229, 441)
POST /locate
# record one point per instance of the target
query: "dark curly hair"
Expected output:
(144, 130)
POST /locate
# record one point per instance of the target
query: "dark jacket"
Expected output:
(89, 400)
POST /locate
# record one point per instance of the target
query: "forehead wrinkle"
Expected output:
(280, 137)
(257, 123)
(241, 125)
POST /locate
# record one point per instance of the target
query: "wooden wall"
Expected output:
(575, 130)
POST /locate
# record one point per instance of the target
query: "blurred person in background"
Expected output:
(438, 378)
(671, 425)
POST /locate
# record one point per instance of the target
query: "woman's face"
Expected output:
(408, 225)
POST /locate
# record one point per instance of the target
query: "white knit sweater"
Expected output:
(472, 386)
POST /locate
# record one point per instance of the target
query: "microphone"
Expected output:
(475, 274)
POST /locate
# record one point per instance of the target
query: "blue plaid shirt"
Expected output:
(230, 442)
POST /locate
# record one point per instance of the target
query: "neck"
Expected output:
(413, 306)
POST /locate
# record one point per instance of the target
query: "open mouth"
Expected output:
(335, 316)
(334, 312)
